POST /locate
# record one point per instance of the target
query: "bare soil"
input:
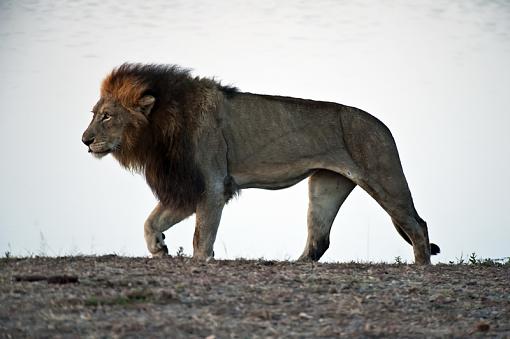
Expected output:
(175, 297)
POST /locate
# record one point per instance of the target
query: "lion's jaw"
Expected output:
(102, 148)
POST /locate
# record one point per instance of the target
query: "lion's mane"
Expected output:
(161, 145)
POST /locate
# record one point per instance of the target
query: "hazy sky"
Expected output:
(437, 73)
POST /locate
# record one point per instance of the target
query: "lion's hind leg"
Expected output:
(434, 249)
(376, 168)
(327, 191)
(417, 234)
(395, 198)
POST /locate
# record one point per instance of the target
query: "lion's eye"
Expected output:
(106, 117)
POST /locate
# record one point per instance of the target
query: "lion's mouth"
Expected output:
(99, 152)
(99, 149)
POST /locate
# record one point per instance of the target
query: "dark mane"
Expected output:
(228, 90)
(162, 147)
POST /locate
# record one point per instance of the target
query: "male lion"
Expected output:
(198, 143)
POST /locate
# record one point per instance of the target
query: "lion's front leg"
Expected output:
(208, 216)
(160, 220)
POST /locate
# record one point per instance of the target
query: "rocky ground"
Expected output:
(175, 297)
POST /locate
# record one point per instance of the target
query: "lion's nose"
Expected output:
(87, 140)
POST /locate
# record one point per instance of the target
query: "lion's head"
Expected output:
(114, 125)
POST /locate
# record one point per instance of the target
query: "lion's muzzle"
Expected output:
(88, 137)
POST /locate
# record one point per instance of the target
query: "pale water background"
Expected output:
(436, 72)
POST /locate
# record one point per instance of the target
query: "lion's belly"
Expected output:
(273, 178)
(282, 173)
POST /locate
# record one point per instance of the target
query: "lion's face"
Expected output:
(111, 123)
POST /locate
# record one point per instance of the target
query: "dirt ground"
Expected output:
(175, 297)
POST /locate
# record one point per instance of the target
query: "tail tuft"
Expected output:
(434, 249)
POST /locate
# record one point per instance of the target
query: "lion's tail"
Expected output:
(434, 249)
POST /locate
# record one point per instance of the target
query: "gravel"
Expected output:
(176, 297)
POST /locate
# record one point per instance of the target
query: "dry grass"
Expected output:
(176, 298)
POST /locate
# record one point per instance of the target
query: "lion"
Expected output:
(198, 143)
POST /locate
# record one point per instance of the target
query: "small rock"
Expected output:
(303, 315)
(482, 327)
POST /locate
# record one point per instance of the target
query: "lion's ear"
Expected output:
(145, 104)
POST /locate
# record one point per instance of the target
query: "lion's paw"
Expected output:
(156, 244)
(163, 252)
